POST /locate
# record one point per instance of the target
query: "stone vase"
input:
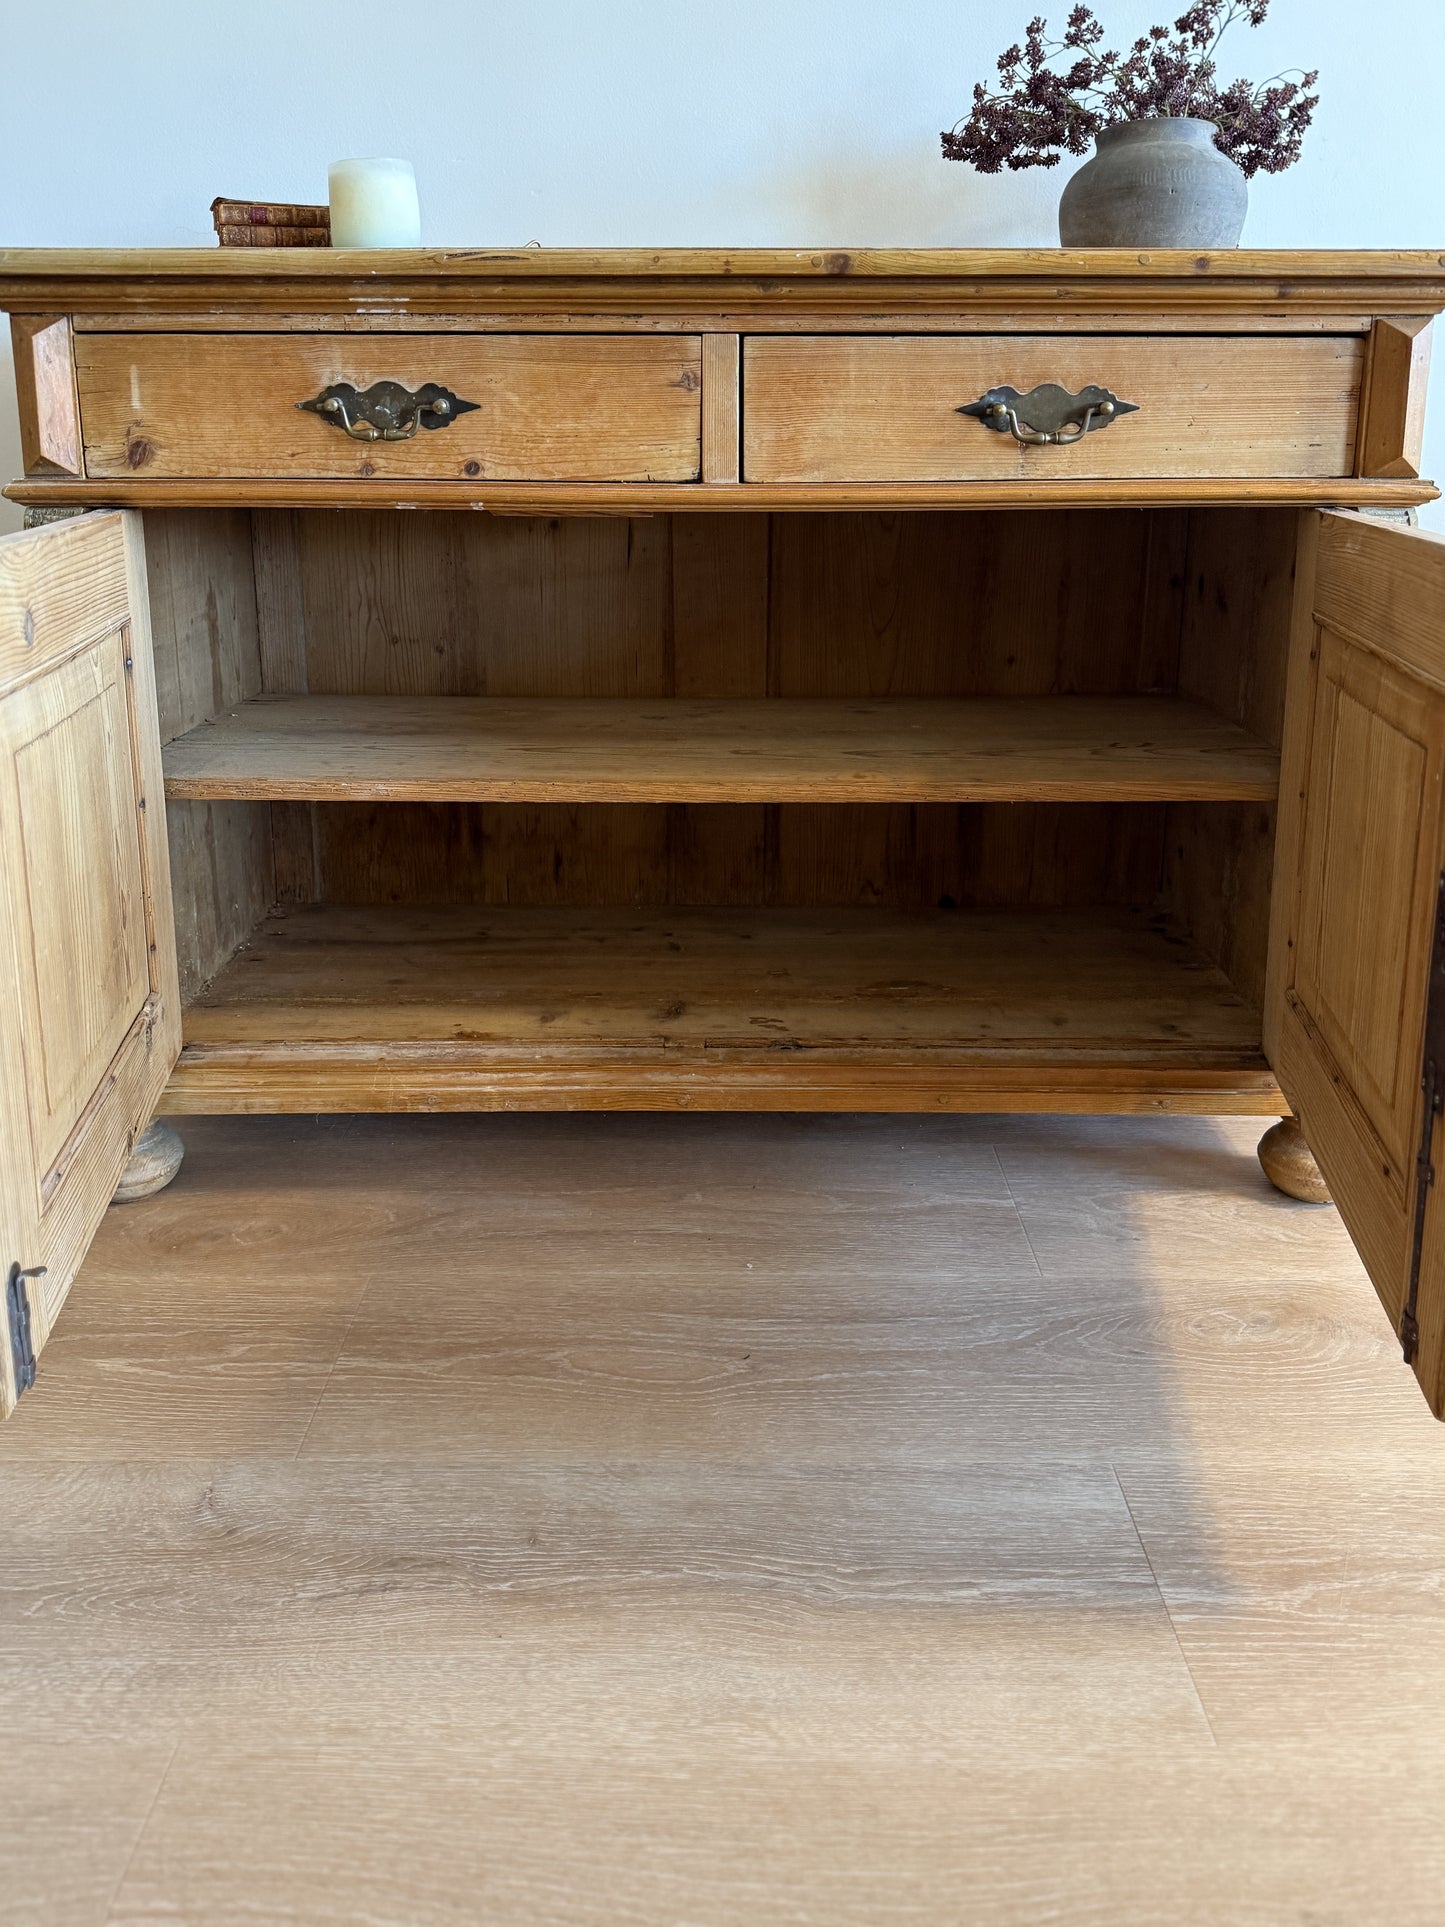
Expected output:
(1155, 184)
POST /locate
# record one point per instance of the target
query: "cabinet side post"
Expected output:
(1392, 416)
(49, 402)
(1293, 774)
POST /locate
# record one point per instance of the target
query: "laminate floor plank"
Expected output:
(205, 1320)
(842, 1843)
(1075, 1684)
(261, 1538)
(1098, 1199)
(635, 1520)
(1014, 1372)
(73, 1808)
(1310, 1601)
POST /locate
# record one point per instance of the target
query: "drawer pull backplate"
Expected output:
(1048, 416)
(386, 412)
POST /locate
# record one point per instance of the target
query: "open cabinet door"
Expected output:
(1355, 1007)
(89, 1006)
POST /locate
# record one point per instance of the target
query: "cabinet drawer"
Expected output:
(850, 408)
(591, 408)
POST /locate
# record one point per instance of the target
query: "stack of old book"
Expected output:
(270, 224)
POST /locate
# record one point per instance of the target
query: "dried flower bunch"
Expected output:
(1056, 95)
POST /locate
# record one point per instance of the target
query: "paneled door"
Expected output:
(89, 1005)
(1355, 1010)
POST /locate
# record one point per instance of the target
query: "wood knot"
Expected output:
(471, 468)
(689, 379)
(138, 451)
(27, 628)
(837, 263)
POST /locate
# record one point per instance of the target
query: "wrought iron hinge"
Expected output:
(17, 1323)
(1432, 1089)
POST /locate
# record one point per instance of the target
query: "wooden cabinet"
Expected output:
(712, 715)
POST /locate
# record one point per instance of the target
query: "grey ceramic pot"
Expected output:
(1155, 184)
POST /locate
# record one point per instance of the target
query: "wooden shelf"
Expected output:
(340, 1008)
(503, 749)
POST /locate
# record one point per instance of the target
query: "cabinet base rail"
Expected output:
(417, 1077)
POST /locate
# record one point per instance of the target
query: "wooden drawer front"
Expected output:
(591, 408)
(852, 408)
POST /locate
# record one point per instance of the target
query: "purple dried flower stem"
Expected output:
(1040, 111)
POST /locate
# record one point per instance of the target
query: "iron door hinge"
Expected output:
(17, 1322)
(1432, 1091)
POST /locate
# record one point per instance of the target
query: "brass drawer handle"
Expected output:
(1045, 416)
(386, 412)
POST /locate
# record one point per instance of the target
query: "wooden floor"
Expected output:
(519, 1520)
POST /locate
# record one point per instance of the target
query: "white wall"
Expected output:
(768, 122)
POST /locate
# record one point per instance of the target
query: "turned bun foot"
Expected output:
(1289, 1165)
(154, 1160)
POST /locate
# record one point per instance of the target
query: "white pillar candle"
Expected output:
(374, 204)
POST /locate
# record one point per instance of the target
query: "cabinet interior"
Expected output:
(402, 826)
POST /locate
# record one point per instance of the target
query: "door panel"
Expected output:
(1360, 857)
(89, 1007)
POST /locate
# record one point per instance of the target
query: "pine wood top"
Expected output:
(499, 749)
(36, 279)
(340, 264)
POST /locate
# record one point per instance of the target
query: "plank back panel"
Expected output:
(1075, 602)
(908, 856)
(1068, 603)
(455, 605)
(1239, 581)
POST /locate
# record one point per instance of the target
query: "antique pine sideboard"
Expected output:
(704, 680)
